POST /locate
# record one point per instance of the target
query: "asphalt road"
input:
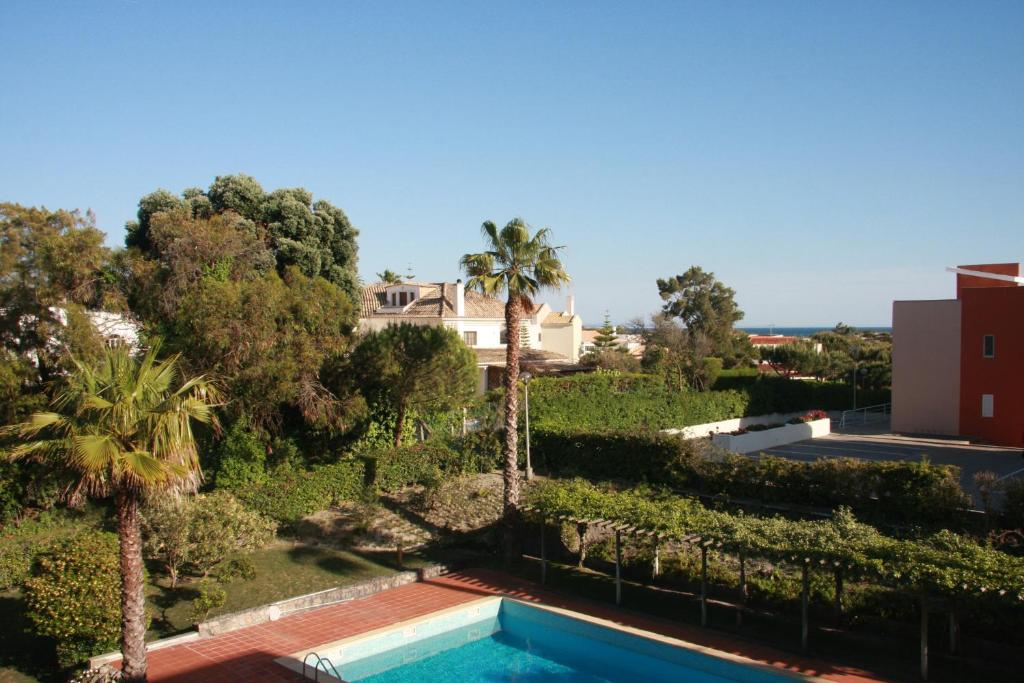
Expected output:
(881, 446)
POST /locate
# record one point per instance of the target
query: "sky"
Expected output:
(821, 158)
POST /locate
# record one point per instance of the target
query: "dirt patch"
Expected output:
(363, 526)
(461, 505)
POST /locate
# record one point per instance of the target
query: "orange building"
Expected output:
(958, 364)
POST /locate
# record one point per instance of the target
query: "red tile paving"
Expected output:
(248, 654)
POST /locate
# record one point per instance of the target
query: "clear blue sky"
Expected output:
(822, 158)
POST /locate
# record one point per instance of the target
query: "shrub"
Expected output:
(73, 596)
(22, 541)
(201, 532)
(241, 460)
(770, 394)
(290, 493)
(885, 492)
(211, 596)
(1013, 504)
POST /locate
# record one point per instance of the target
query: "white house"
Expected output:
(633, 344)
(549, 338)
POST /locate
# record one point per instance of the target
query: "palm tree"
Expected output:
(124, 429)
(519, 265)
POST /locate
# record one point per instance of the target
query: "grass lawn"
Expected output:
(283, 570)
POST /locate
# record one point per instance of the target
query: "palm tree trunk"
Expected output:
(133, 605)
(513, 315)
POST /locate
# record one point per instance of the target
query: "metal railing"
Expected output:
(851, 416)
(320, 661)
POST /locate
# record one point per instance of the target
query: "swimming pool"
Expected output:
(501, 639)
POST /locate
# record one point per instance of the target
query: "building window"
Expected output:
(987, 405)
(403, 298)
(988, 346)
(469, 338)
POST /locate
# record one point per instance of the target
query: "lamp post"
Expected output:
(526, 377)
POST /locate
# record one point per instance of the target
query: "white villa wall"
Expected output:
(725, 426)
(488, 330)
(752, 442)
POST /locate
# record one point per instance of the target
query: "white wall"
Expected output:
(725, 426)
(753, 442)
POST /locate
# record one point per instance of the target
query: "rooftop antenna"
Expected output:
(408, 272)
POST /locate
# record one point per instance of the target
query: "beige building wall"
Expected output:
(926, 367)
(564, 339)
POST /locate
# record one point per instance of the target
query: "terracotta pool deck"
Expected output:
(248, 654)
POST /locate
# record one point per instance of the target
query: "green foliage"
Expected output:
(22, 541)
(314, 236)
(211, 596)
(704, 305)
(768, 394)
(241, 459)
(430, 462)
(942, 564)
(886, 492)
(290, 493)
(414, 367)
(606, 337)
(620, 401)
(73, 596)
(199, 534)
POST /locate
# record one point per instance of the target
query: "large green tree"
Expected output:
(415, 367)
(314, 236)
(124, 427)
(703, 304)
(210, 287)
(518, 265)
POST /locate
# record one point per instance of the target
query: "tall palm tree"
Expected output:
(123, 427)
(520, 266)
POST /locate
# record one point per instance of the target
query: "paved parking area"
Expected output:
(884, 446)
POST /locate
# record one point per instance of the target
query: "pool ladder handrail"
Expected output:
(316, 666)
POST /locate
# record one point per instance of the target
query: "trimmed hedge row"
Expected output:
(289, 495)
(608, 400)
(911, 493)
(622, 401)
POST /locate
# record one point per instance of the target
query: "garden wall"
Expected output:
(731, 425)
(752, 442)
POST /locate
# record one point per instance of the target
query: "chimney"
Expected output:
(571, 306)
(460, 299)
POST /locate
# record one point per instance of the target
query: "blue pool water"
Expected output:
(511, 641)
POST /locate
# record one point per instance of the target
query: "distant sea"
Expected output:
(804, 331)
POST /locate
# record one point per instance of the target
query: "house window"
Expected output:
(988, 346)
(403, 298)
(987, 405)
(469, 338)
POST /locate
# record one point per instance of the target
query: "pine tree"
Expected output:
(606, 338)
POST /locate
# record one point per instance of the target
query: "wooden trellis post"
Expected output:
(805, 591)
(581, 531)
(924, 637)
(618, 567)
(743, 590)
(954, 630)
(656, 567)
(703, 584)
(837, 604)
(543, 554)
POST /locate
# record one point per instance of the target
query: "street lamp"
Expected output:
(526, 377)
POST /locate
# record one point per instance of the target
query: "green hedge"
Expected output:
(291, 494)
(909, 493)
(772, 394)
(621, 401)
(608, 400)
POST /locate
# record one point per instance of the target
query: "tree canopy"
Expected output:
(415, 367)
(314, 236)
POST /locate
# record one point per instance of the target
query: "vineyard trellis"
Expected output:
(944, 566)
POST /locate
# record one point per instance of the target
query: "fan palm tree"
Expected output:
(123, 428)
(520, 266)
